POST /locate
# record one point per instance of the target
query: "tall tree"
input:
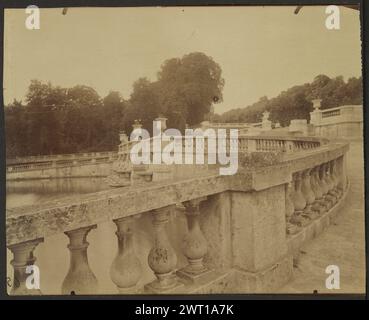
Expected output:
(189, 86)
(143, 104)
(114, 108)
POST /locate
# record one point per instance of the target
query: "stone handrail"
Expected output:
(317, 177)
(245, 144)
(77, 161)
(331, 113)
(262, 143)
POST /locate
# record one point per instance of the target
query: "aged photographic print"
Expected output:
(184, 150)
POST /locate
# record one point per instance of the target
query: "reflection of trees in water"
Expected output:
(47, 189)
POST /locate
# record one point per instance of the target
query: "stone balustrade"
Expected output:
(242, 231)
(331, 113)
(61, 163)
(279, 144)
(245, 144)
(315, 191)
(67, 156)
(248, 143)
(340, 122)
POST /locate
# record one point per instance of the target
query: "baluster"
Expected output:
(22, 258)
(324, 187)
(290, 227)
(299, 201)
(331, 194)
(344, 172)
(80, 278)
(195, 245)
(319, 204)
(126, 269)
(340, 175)
(334, 191)
(162, 258)
(308, 195)
(337, 177)
(284, 146)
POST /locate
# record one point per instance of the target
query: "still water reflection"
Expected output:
(29, 192)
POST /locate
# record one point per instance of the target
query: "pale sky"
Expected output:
(261, 50)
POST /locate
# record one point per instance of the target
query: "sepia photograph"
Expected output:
(184, 150)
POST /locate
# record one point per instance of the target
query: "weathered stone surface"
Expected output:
(216, 225)
(314, 229)
(258, 222)
(32, 222)
(264, 281)
(76, 171)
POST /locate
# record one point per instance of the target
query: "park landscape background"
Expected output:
(96, 70)
(53, 119)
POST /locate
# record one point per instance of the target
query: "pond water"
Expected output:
(36, 191)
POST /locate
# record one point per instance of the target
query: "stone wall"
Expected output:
(69, 171)
(341, 122)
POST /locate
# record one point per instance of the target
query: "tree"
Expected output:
(295, 102)
(189, 86)
(113, 111)
(143, 105)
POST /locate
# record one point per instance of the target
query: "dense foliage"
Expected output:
(57, 120)
(295, 103)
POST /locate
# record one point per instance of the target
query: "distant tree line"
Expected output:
(295, 103)
(56, 120)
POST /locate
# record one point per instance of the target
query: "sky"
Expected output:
(262, 50)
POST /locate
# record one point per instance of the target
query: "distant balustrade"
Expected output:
(247, 143)
(46, 158)
(77, 161)
(331, 113)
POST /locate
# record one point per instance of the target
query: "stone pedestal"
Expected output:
(259, 228)
(259, 246)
